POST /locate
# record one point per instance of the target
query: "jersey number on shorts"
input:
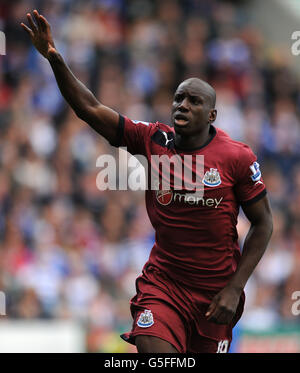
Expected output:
(222, 347)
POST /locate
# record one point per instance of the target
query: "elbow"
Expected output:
(271, 226)
(267, 225)
(82, 114)
(268, 222)
(268, 230)
(264, 224)
(87, 113)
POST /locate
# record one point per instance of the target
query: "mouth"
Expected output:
(180, 120)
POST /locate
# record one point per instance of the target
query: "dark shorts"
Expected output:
(171, 311)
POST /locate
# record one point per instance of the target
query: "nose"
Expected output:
(184, 105)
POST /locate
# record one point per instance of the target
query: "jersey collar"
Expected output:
(212, 131)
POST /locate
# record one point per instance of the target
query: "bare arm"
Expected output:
(101, 118)
(258, 236)
(223, 306)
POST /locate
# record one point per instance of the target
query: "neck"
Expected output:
(195, 141)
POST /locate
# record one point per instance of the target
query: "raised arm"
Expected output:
(101, 118)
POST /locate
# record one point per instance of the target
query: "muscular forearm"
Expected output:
(78, 96)
(254, 247)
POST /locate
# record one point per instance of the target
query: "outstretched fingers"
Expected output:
(37, 19)
(39, 23)
(27, 29)
(31, 23)
(44, 23)
(40, 34)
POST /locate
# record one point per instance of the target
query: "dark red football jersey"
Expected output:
(196, 237)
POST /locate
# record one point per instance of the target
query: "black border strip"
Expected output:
(254, 199)
(146, 361)
(120, 132)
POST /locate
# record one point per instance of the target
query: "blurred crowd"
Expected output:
(71, 251)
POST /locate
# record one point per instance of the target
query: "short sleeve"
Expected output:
(249, 187)
(134, 135)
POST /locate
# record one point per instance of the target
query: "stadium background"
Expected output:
(69, 253)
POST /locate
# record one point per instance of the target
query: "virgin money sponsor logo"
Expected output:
(198, 201)
(165, 197)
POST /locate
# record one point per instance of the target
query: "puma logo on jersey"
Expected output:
(162, 138)
(166, 137)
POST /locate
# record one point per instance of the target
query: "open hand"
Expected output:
(40, 34)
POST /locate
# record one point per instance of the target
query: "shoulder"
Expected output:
(239, 157)
(233, 149)
(158, 126)
(152, 126)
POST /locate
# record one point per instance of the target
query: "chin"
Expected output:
(182, 130)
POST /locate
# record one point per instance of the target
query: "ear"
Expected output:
(212, 115)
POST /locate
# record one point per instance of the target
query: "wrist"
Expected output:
(53, 55)
(237, 288)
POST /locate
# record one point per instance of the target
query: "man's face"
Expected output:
(192, 108)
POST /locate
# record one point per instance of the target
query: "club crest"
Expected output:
(146, 319)
(212, 178)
